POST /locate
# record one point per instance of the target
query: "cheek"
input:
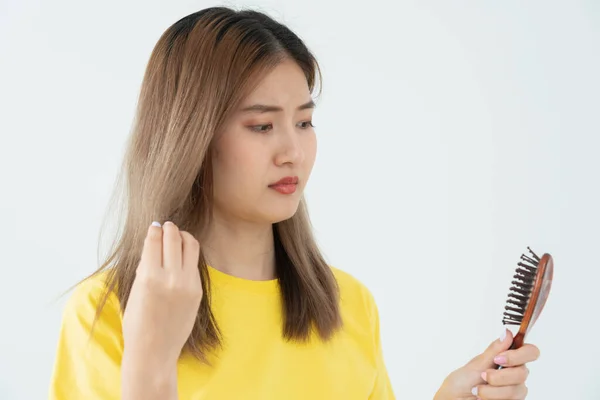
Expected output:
(236, 168)
(310, 151)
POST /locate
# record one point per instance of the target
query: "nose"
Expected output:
(290, 148)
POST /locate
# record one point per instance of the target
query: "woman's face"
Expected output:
(261, 145)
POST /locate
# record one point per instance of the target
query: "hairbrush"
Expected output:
(528, 294)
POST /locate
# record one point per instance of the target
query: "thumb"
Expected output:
(486, 359)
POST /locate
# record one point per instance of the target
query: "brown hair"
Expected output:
(198, 73)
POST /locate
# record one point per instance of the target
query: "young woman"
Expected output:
(228, 297)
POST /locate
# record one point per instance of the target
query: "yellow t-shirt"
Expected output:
(255, 364)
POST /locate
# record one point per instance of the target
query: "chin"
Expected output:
(280, 212)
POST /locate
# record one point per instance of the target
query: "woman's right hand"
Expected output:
(163, 302)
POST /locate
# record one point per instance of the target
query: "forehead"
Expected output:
(284, 85)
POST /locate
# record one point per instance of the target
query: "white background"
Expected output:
(451, 136)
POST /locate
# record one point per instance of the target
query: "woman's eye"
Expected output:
(267, 127)
(310, 124)
(258, 128)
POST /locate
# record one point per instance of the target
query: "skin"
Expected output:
(478, 379)
(254, 150)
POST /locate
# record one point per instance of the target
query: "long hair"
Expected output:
(198, 73)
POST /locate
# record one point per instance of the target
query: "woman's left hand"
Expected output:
(479, 379)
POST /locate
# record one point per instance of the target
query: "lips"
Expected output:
(285, 185)
(288, 180)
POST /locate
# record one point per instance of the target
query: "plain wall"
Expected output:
(452, 135)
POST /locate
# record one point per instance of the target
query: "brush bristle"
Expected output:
(520, 292)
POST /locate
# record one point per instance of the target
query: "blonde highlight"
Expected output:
(200, 70)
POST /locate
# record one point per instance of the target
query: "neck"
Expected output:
(240, 248)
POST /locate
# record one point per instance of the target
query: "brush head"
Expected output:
(531, 286)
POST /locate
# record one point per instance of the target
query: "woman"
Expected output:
(230, 298)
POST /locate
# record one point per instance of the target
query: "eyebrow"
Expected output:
(263, 108)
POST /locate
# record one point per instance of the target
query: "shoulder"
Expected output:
(87, 296)
(354, 294)
(90, 289)
(89, 349)
(349, 284)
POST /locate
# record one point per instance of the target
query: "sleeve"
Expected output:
(382, 390)
(88, 367)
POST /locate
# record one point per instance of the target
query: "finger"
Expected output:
(487, 392)
(152, 250)
(506, 376)
(172, 247)
(510, 358)
(191, 253)
(486, 359)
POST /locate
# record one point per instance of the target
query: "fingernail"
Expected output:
(156, 224)
(503, 335)
(500, 360)
(484, 376)
(474, 391)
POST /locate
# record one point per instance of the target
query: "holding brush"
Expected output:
(479, 379)
(500, 372)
